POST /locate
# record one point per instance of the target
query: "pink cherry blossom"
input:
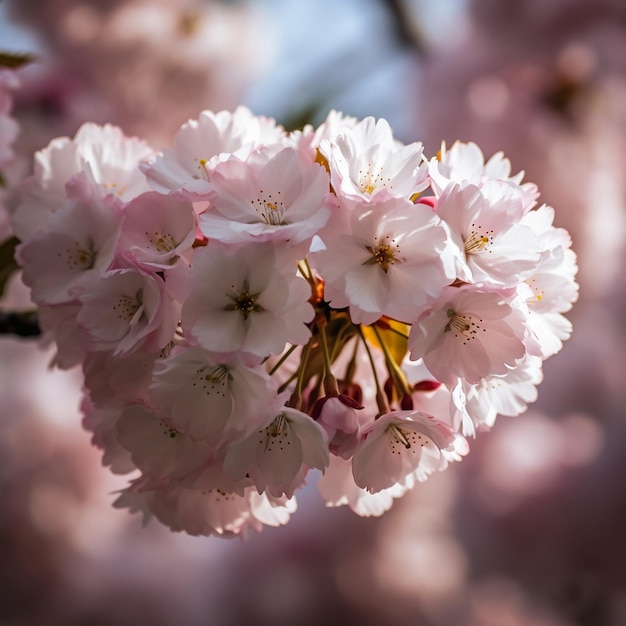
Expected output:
(368, 163)
(156, 447)
(400, 447)
(469, 333)
(551, 289)
(126, 310)
(103, 153)
(493, 245)
(337, 488)
(210, 398)
(200, 144)
(508, 394)
(267, 197)
(114, 381)
(79, 241)
(246, 300)
(156, 230)
(465, 162)
(389, 260)
(278, 456)
(213, 511)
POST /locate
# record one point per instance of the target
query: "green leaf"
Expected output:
(15, 60)
(7, 262)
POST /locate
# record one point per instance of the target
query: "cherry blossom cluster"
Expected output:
(250, 305)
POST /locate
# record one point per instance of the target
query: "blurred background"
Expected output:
(529, 530)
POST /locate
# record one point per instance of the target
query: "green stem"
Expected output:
(283, 359)
(397, 375)
(381, 400)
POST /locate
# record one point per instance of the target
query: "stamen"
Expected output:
(163, 242)
(477, 241)
(370, 182)
(127, 307)
(244, 302)
(217, 374)
(383, 254)
(79, 258)
(463, 326)
(270, 209)
(399, 435)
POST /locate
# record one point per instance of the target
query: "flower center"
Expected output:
(276, 434)
(216, 374)
(370, 182)
(406, 439)
(383, 254)
(244, 302)
(168, 431)
(477, 240)
(398, 436)
(463, 326)
(127, 307)
(271, 209)
(163, 242)
(79, 258)
(201, 167)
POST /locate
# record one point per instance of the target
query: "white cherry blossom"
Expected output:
(389, 259)
(126, 310)
(102, 153)
(337, 488)
(279, 454)
(367, 163)
(211, 398)
(493, 245)
(246, 300)
(469, 333)
(200, 144)
(267, 197)
(400, 447)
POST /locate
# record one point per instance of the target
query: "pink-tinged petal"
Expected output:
(156, 448)
(269, 197)
(400, 447)
(209, 398)
(248, 300)
(126, 310)
(278, 456)
(337, 488)
(156, 230)
(469, 333)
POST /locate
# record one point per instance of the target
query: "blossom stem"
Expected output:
(287, 383)
(397, 332)
(307, 274)
(397, 375)
(282, 359)
(331, 388)
(381, 400)
(351, 367)
(296, 398)
(325, 352)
